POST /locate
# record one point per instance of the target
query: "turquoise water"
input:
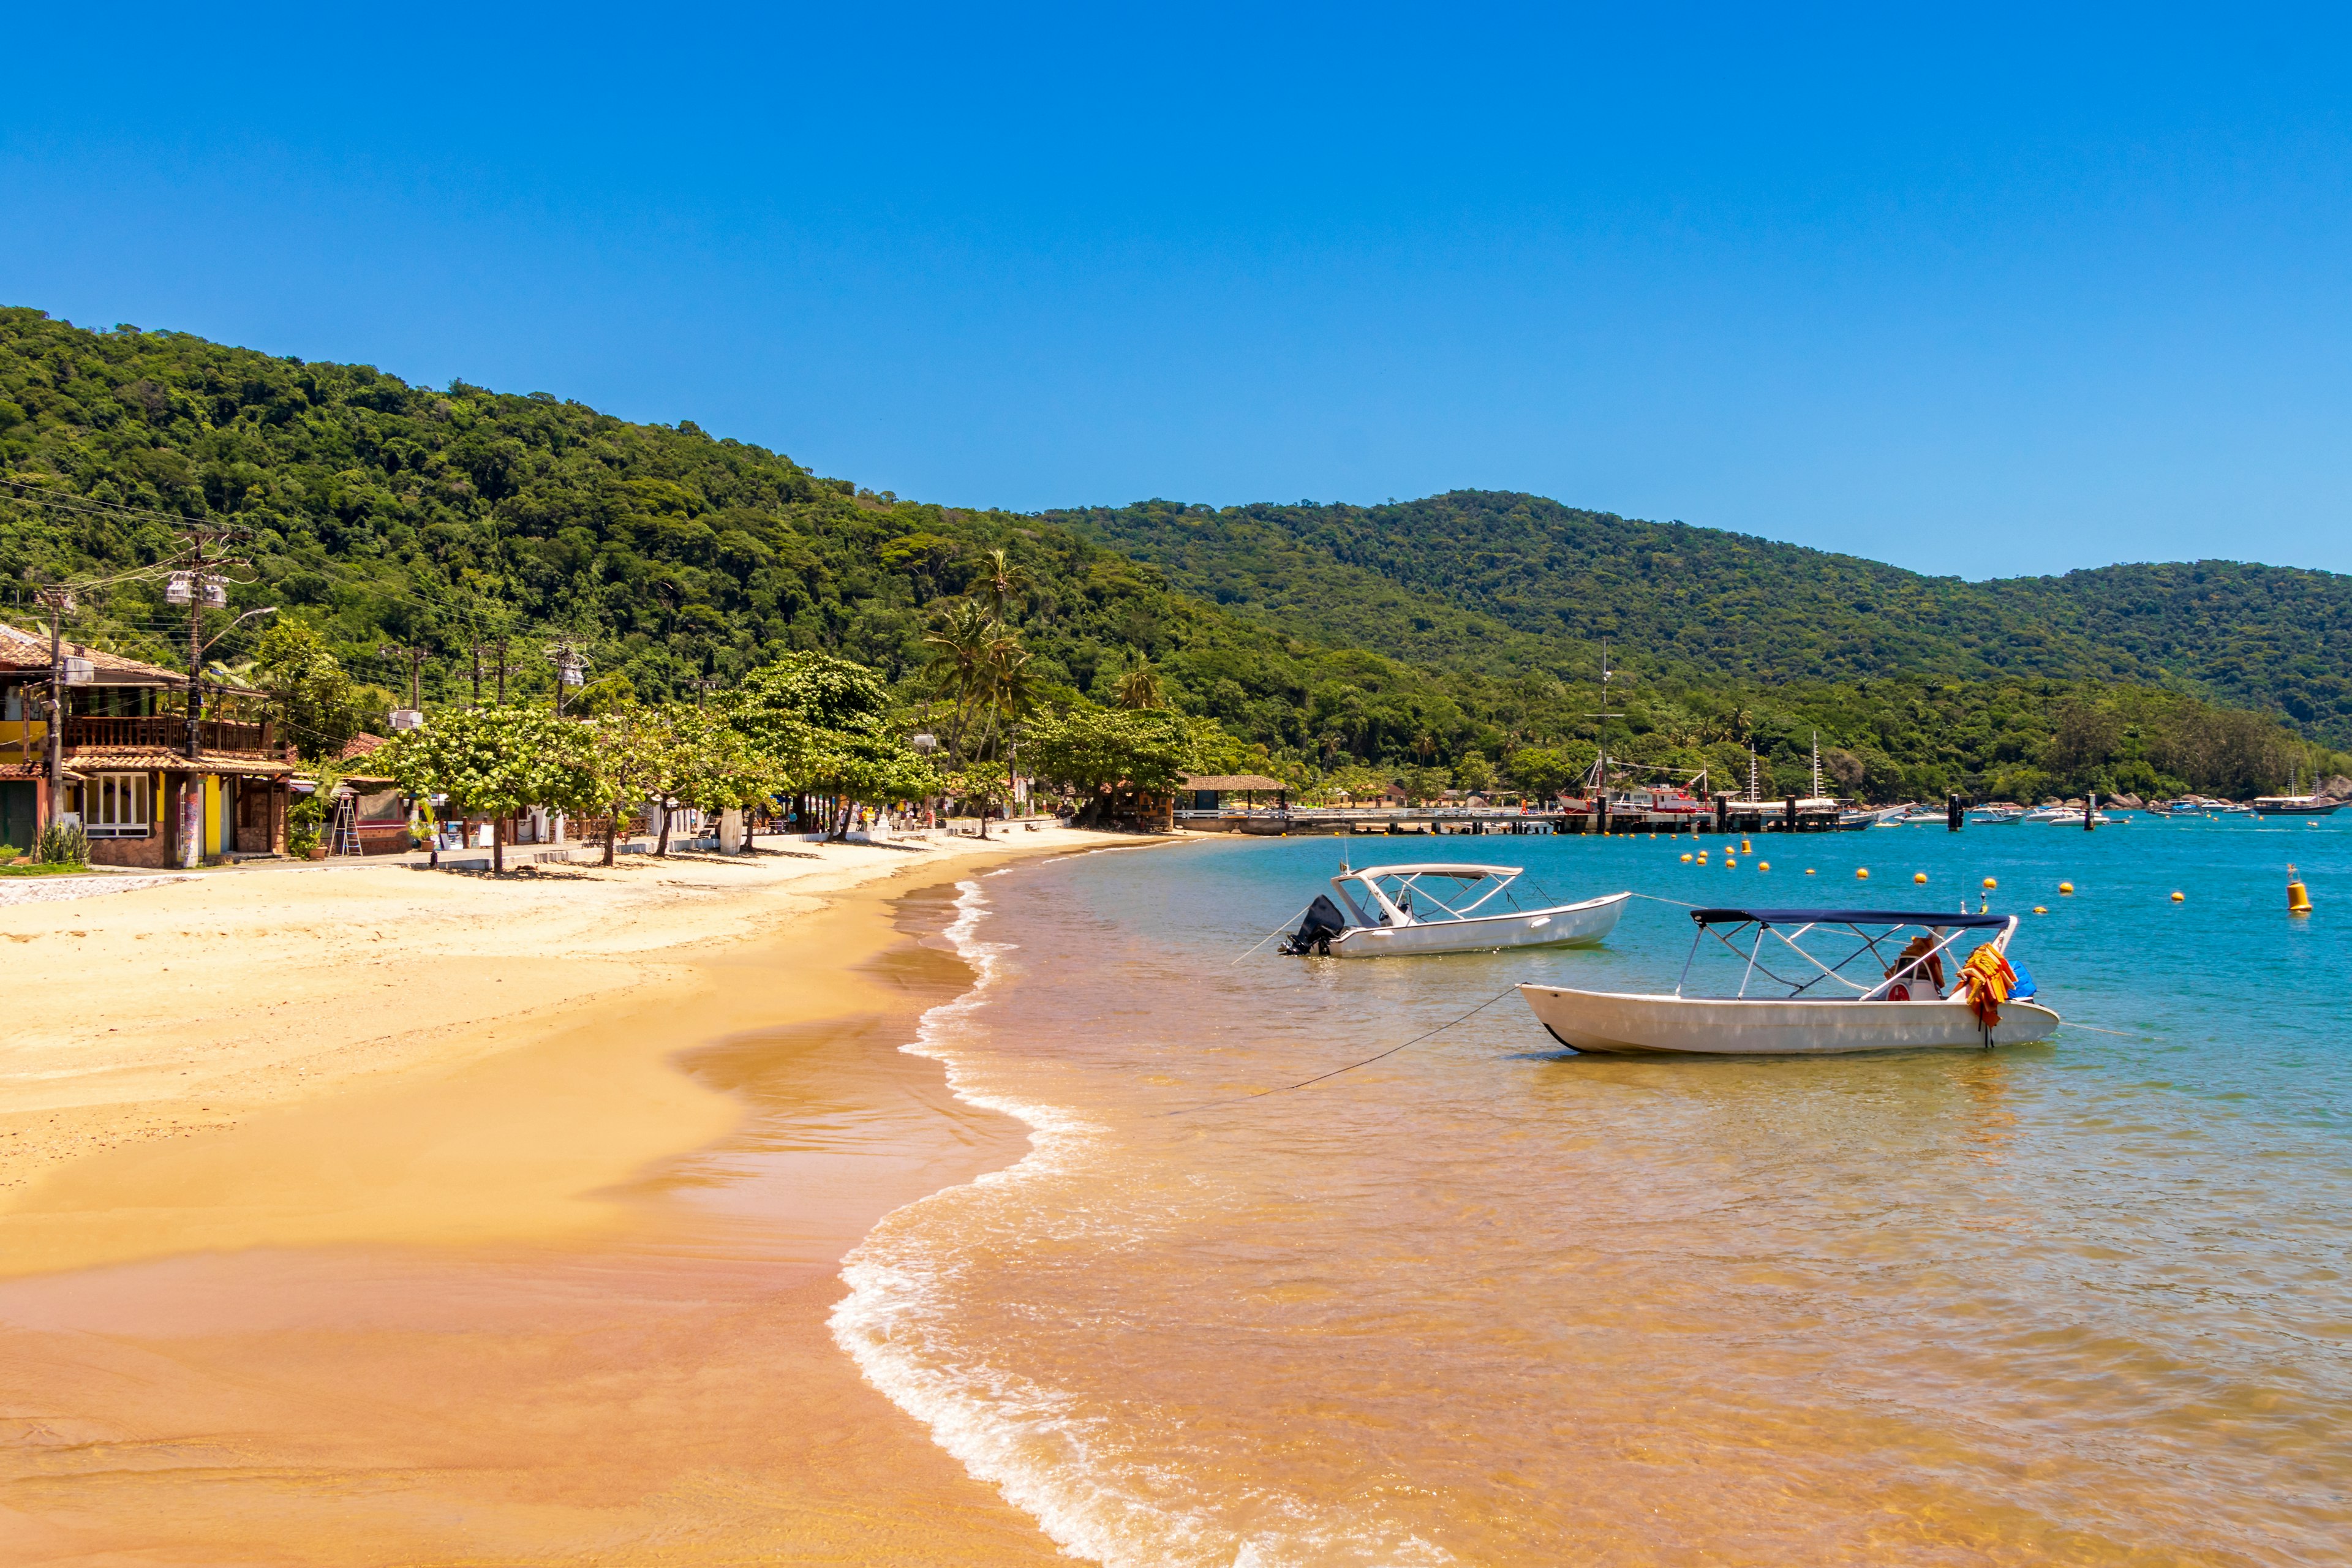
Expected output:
(1483, 1302)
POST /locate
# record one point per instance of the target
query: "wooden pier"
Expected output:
(1722, 815)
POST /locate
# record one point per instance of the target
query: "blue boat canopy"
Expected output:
(1846, 918)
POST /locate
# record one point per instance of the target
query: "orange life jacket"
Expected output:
(1990, 980)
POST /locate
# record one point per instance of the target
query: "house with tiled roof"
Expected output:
(150, 788)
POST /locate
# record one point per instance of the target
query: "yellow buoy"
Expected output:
(2179, 898)
(2298, 897)
(1744, 848)
(1685, 857)
(2041, 909)
(1763, 865)
(1991, 884)
(2066, 888)
(1918, 876)
(1809, 870)
(1862, 873)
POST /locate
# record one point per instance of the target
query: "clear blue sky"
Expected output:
(1981, 292)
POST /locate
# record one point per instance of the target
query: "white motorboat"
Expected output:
(1897, 1001)
(1998, 813)
(2072, 817)
(1390, 911)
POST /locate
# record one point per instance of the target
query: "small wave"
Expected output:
(1036, 1444)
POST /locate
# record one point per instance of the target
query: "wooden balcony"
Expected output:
(166, 733)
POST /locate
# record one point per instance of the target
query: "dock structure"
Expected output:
(1723, 814)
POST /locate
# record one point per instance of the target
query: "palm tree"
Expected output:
(1002, 581)
(1140, 687)
(961, 644)
(1010, 683)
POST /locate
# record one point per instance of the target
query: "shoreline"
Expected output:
(460, 1228)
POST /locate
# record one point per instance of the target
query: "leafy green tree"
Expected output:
(306, 692)
(867, 770)
(498, 762)
(1101, 753)
(626, 749)
(1540, 771)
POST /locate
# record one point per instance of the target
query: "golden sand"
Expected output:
(367, 1216)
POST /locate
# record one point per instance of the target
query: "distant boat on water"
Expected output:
(2296, 804)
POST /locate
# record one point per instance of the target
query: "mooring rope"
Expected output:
(1351, 1066)
(1277, 931)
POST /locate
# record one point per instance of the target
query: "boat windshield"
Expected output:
(1838, 954)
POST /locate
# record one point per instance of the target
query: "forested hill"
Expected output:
(1475, 577)
(384, 516)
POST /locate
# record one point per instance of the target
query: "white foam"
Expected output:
(1033, 1442)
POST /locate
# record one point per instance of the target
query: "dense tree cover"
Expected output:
(462, 521)
(1474, 578)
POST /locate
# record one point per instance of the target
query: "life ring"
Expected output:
(1899, 992)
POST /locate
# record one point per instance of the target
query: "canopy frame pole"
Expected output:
(1761, 929)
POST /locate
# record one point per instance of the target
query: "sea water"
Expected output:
(1485, 1301)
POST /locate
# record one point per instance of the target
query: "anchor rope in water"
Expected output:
(1277, 931)
(1351, 1066)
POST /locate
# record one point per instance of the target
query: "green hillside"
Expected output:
(1472, 576)
(381, 512)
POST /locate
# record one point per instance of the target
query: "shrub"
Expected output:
(63, 844)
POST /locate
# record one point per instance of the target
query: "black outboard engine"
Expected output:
(1314, 934)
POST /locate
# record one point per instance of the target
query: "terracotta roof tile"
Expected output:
(144, 759)
(21, 650)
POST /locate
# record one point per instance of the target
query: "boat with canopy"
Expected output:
(1388, 912)
(1884, 992)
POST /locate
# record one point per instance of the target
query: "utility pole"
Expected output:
(202, 586)
(570, 669)
(60, 601)
(416, 658)
(498, 645)
(703, 686)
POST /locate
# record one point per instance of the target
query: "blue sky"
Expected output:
(1978, 291)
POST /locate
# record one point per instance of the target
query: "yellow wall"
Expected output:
(30, 731)
(211, 812)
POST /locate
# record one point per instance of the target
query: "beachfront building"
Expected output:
(123, 764)
(1210, 792)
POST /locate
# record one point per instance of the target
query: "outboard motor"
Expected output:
(1314, 934)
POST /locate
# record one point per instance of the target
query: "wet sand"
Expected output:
(541, 1298)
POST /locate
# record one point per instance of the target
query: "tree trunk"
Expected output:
(497, 845)
(612, 830)
(661, 846)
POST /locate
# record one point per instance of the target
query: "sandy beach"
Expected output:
(384, 1215)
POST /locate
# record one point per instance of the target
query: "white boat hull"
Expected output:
(1564, 925)
(1610, 1022)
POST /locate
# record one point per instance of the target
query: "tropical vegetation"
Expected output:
(484, 532)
